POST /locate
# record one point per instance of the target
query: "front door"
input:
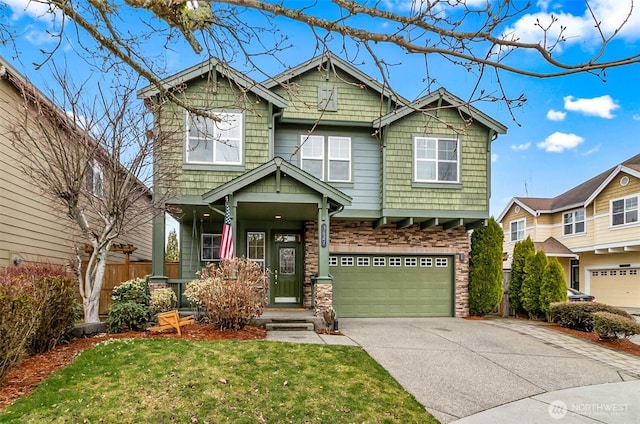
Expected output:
(286, 273)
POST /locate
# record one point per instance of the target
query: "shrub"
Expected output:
(579, 315)
(56, 292)
(614, 326)
(20, 316)
(136, 291)
(521, 251)
(533, 274)
(485, 269)
(127, 316)
(232, 293)
(130, 307)
(554, 286)
(195, 293)
(162, 300)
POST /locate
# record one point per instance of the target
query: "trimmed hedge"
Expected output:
(579, 315)
(613, 326)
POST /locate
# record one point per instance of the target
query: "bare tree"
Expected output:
(479, 37)
(89, 153)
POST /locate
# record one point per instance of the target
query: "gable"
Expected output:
(620, 186)
(348, 98)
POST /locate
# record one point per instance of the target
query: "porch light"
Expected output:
(278, 216)
(206, 215)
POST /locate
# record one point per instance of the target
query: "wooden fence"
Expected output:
(117, 273)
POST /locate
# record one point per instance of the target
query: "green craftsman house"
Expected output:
(354, 197)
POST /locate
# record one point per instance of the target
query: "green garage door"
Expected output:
(392, 286)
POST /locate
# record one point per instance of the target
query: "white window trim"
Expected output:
(624, 212)
(214, 141)
(264, 252)
(416, 160)
(574, 222)
(335, 159)
(326, 157)
(524, 230)
(303, 140)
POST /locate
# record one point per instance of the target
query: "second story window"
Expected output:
(335, 164)
(573, 222)
(211, 141)
(517, 230)
(436, 160)
(624, 211)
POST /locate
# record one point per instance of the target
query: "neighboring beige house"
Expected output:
(31, 230)
(593, 229)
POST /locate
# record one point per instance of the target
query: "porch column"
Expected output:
(323, 242)
(157, 249)
(323, 290)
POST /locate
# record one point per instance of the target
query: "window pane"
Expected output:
(312, 147)
(425, 171)
(339, 148)
(447, 149)
(255, 245)
(425, 148)
(579, 215)
(618, 219)
(447, 171)
(568, 218)
(339, 170)
(287, 261)
(313, 167)
(199, 150)
(228, 151)
(568, 229)
(580, 227)
(631, 216)
(617, 206)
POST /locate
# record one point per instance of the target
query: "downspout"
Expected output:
(272, 131)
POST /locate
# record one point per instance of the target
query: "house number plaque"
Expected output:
(323, 235)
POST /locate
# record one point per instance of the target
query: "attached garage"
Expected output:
(392, 285)
(616, 287)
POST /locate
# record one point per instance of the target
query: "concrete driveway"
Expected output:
(458, 367)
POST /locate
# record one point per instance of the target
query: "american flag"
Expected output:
(226, 244)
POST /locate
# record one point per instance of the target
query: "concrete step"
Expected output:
(289, 326)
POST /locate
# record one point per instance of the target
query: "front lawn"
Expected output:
(180, 381)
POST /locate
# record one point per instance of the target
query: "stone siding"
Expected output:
(361, 237)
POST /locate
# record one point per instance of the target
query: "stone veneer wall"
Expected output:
(361, 237)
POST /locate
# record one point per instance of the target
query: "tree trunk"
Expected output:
(93, 278)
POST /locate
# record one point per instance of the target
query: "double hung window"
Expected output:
(326, 158)
(215, 141)
(517, 230)
(624, 211)
(436, 160)
(573, 222)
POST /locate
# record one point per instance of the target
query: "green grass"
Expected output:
(179, 381)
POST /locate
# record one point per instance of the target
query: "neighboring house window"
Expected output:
(573, 222)
(517, 230)
(255, 247)
(624, 211)
(436, 160)
(210, 250)
(214, 142)
(94, 180)
(337, 160)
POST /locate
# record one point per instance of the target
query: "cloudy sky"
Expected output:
(569, 130)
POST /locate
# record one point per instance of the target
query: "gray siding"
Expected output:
(366, 162)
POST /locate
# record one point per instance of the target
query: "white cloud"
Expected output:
(38, 38)
(559, 142)
(581, 27)
(598, 106)
(592, 151)
(556, 115)
(494, 157)
(523, 146)
(636, 117)
(34, 9)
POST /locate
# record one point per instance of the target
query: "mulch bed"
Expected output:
(619, 344)
(21, 379)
